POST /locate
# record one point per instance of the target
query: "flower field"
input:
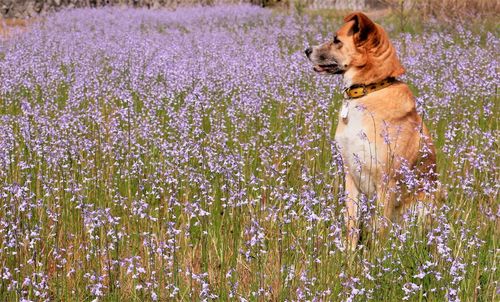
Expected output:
(189, 155)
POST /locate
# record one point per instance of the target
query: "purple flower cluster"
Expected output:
(189, 155)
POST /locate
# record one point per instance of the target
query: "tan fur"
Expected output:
(383, 131)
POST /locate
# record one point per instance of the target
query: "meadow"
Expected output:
(189, 155)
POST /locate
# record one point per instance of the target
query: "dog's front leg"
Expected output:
(352, 213)
(388, 200)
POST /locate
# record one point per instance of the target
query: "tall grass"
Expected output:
(189, 155)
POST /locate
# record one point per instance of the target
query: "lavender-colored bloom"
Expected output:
(189, 154)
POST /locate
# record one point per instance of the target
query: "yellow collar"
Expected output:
(359, 90)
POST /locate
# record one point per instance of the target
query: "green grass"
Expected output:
(293, 258)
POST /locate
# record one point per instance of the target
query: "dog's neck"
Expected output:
(355, 76)
(348, 77)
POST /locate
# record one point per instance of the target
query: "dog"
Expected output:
(387, 152)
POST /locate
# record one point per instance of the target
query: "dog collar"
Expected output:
(359, 90)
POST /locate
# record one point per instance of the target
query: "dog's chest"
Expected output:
(352, 137)
(351, 133)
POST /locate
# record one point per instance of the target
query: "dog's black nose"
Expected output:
(308, 51)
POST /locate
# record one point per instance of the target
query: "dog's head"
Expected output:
(360, 50)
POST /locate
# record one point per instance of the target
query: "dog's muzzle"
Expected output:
(332, 67)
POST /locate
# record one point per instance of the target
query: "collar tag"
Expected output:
(345, 109)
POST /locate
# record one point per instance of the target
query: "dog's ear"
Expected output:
(363, 28)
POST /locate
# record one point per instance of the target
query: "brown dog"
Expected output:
(387, 152)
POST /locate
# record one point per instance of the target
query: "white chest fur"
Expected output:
(358, 153)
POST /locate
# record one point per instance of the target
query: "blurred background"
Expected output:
(443, 9)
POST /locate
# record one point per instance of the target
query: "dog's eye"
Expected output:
(336, 40)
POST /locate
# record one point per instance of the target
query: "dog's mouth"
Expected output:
(328, 68)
